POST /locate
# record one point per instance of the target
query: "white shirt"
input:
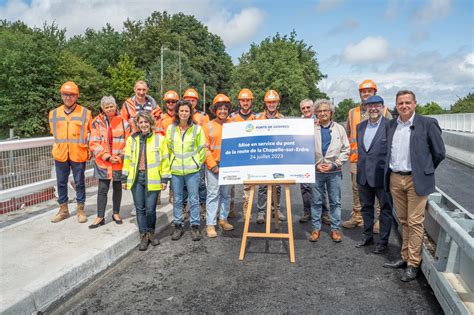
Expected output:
(400, 159)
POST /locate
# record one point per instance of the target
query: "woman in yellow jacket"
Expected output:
(186, 145)
(146, 171)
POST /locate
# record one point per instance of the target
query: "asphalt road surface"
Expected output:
(207, 277)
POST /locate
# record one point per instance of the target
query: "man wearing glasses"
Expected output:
(70, 125)
(170, 98)
(372, 151)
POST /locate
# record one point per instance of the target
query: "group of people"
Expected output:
(140, 148)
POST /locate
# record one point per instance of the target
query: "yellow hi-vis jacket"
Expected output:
(157, 160)
(187, 151)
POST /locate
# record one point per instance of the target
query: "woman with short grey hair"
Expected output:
(107, 144)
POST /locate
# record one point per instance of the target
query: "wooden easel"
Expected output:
(271, 192)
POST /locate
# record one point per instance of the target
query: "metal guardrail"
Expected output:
(449, 265)
(456, 122)
(26, 168)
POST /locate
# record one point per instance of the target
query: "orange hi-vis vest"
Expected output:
(353, 120)
(129, 111)
(70, 133)
(102, 149)
(266, 115)
(213, 134)
(166, 120)
(200, 118)
(236, 117)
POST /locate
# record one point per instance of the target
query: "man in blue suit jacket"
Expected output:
(415, 149)
(372, 148)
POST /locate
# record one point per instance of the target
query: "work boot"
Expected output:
(62, 214)
(355, 220)
(177, 233)
(325, 219)
(225, 225)
(281, 216)
(81, 215)
(232, 214)
(203, 212)
(261, 218)
(151, 239)
(195, 233)
(143, 242)
(211, 231)
(305, 218)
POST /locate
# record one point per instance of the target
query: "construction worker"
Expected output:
(271, 100)
(367, 88)
(244, 113)
(70, 125)
(168, 118)
(107, 144)
(141, 101)
(218, 197)
(200, 119)
(187, 150)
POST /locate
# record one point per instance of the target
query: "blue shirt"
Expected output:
(325, 138)
(370, 132)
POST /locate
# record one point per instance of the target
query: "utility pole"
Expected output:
(179, 57)
(161, 80)
(204, 97)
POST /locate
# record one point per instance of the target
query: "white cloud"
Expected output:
(236, 29)
(327, 5)
(76, 16)
(432, 10)
(370, 49)
(346, 25)
(432, 77)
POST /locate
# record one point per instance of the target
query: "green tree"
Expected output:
(430, 108)
(123, 76)
(342, 109)
(464, 105)
(101, 49)
(281, 63)
(28, 76)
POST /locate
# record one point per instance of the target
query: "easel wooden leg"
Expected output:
(269, 208)
(290, 224)
(248, 213)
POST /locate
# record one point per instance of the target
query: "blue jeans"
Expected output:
(192, 183)
(202, 188)
(145, 204)
(218, 198)
(332, 183)
(63, 170)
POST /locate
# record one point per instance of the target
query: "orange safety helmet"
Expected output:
(69, 88)
(271, 95)
(171, 96)
(192, 93)
(245, 94)
(221, 98)
(367, 84)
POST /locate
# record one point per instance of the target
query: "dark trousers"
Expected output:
(104, 185)
(367, 199)
(63, 169)
(145, 204)
(262, 198)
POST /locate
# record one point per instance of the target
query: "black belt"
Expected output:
(402, 173)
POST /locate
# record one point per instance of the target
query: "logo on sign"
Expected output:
(249, 128)
(278, 175)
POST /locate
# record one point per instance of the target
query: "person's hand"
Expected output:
(163, 186)
(114, 160)
(124, 186)
(326, 167)
(215, 170)
(320, 168)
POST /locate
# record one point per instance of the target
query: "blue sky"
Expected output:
(423, 45)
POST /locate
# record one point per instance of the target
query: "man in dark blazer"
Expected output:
(372, 148)
(415, 149)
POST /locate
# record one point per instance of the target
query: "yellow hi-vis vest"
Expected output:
(187, 152)
(157, 160)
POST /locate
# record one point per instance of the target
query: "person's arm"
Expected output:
(126, 162)
(435, 141)
(98, 148)
(210, 161)
(200, 145)
(165, 169)
(343, 155)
